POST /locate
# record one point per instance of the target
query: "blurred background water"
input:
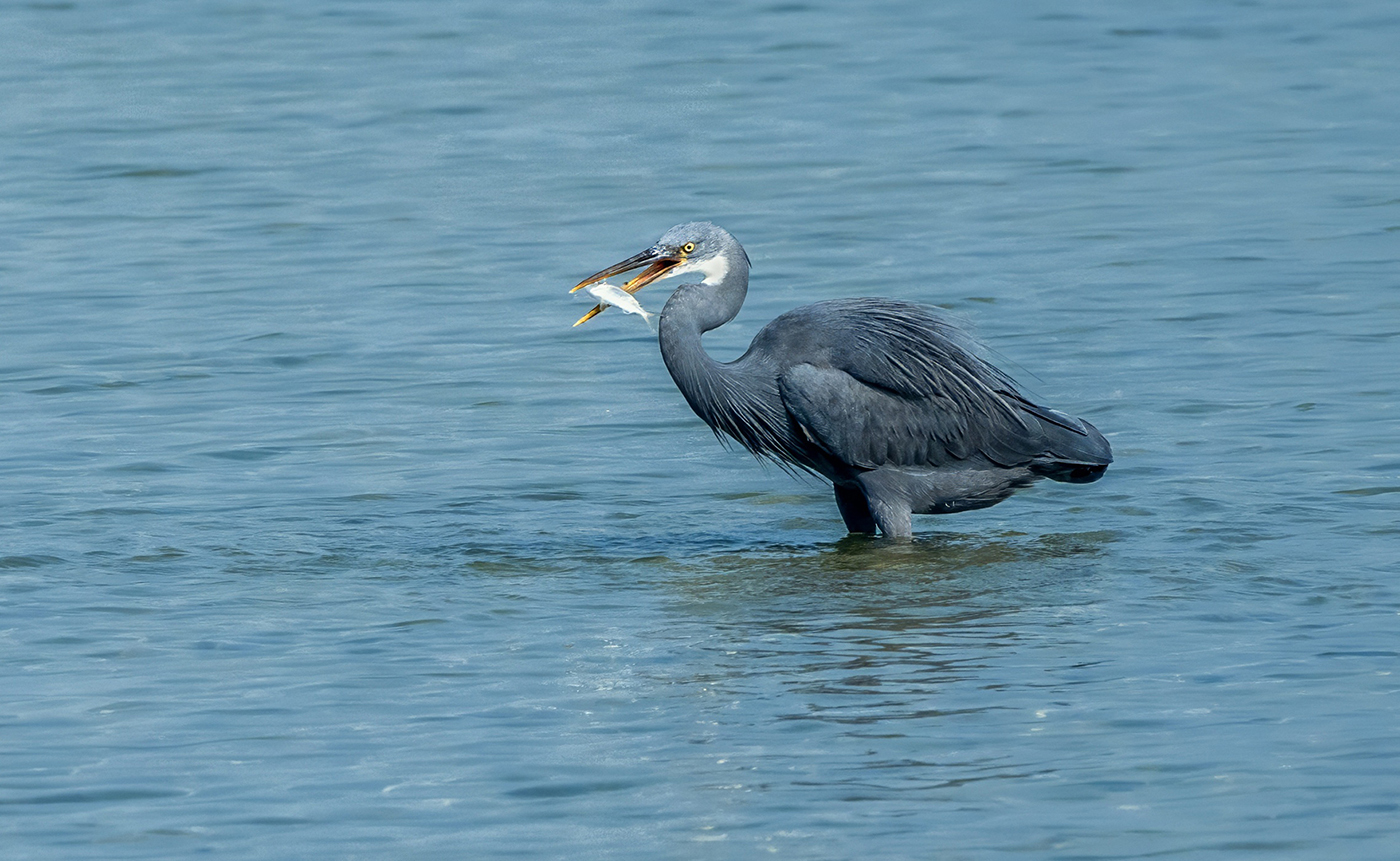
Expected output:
(322, 535)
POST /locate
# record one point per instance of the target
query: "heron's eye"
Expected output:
(688, 247)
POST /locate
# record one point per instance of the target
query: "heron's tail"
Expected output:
(1075, 451)
(1074, 473)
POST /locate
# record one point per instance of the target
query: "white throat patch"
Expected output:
(713, 269)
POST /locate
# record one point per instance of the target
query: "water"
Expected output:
(324, 535)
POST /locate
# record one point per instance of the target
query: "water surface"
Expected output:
(324, 536)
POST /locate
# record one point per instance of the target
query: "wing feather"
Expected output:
(891, 384)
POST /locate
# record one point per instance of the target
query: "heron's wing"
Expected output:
(869, 426)
(890, 384)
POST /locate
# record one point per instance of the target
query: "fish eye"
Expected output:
(688, 247)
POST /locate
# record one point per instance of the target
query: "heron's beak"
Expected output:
(658, 261)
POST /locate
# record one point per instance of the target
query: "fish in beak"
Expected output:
(658, 260)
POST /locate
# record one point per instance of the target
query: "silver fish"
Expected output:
(611, 294)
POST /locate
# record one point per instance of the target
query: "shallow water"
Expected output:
(325, 536)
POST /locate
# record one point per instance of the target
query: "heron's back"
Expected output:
(889, 383)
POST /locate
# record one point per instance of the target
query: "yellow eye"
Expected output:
(688, 247)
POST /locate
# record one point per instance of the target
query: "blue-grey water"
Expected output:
(324, 536)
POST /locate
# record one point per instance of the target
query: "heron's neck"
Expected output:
(739, 399)
(690, 312)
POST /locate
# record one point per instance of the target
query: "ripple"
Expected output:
(95, 796)
(37, 561)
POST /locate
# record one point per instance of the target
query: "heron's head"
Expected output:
(697, 246)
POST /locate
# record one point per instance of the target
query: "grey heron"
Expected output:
(880, 397)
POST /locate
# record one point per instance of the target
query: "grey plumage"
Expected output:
(880, 397)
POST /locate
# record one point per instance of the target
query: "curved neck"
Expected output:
(739, 399)
(693, 310)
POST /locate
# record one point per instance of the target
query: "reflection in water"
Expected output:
(896, 645)
(944, 568)
(880, 662)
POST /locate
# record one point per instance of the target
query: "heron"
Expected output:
(883, 398)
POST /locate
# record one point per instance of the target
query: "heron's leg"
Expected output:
(888, 503)
(894, 520)
(854, 511)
